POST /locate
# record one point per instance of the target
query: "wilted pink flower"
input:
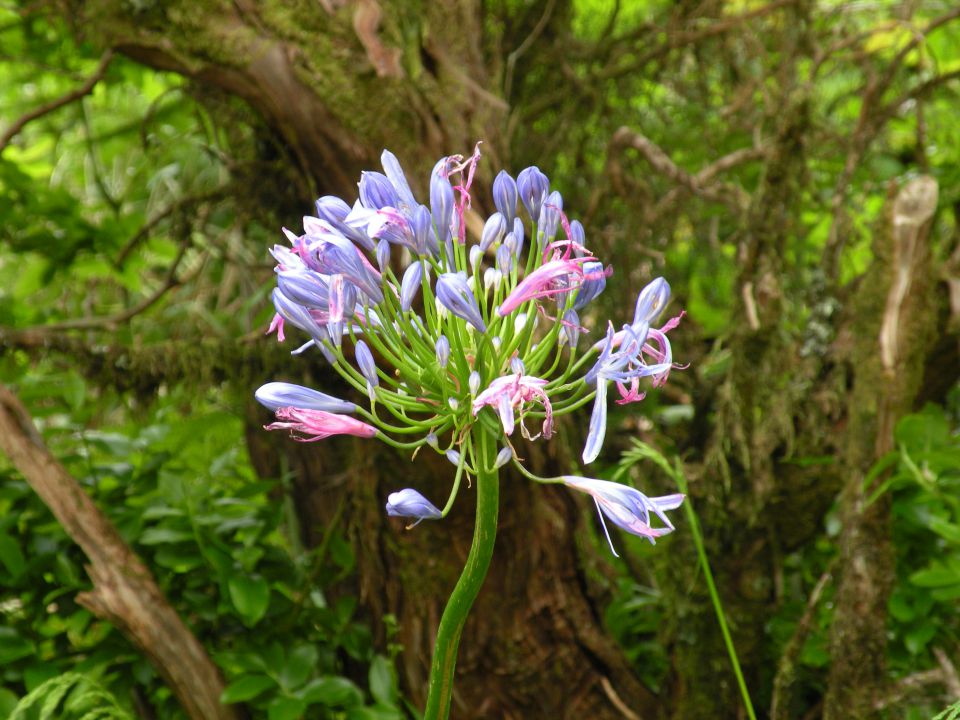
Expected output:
(318, 424)
(510, 391)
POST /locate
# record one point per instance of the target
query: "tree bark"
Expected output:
(124, 592)
(893, 323)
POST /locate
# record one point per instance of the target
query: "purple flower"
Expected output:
(595, 281)
(333, 211)
(376, 191)
(409, 503)
(391, 166)
(367, 366)
(410, 284)
(627, 507)
(505, 258)
(330, 253)
(505, 195)
(551, 278)
(532, 186)
(443, 351)
(550, 213)
(518, 237)
(299, 316)
(424, 237)
(651, 301)
(493, 230)
(275, 395)
(571, 327)
(305, 287)
(455, 295)
(383, 254)
(441, 199)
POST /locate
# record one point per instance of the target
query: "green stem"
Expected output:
(468, 586)
(711, 586)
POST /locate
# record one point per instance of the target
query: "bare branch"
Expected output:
(112, 321)
(85, 89)
(702, 184)
(779, 707)
(681, 39)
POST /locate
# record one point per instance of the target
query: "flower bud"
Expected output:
(453, 456)
(505, 195)
(383, 254)
(441, 199)
(518, 236)
(549, 220)
(443, 351)
(532, 187)
(503, 457)
(410, 284)
(516, 365)
(366, 363)
(505, 258)
(493, 231)
(474, 382)
(475, 254)
(411, 504)
(376, 191)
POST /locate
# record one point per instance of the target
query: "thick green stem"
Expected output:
(468, 586)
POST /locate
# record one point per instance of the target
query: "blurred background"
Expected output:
(792, 167)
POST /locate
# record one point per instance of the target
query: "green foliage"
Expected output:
(923, 474)
(70, 696)
(180, 488)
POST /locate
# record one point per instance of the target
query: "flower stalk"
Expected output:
(455, 346)
(440, 689)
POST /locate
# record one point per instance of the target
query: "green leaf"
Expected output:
(13, 646)
(917, 638)
(285, 708)
(163, 535)
(383, 684)
(944, 528)
(246, 688)
(11, 556)
(250, 596)
(298, 666)
(935, 575)
(331, 691)
(8, 701)
(900, 607)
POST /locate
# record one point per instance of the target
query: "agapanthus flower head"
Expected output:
(455, 335)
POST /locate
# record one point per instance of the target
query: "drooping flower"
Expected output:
(513, 391)
(275, 395)
(315, 425)
(627, 507)
(551, 278)
(409, 503)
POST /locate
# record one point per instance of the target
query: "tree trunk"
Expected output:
(893, 324)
